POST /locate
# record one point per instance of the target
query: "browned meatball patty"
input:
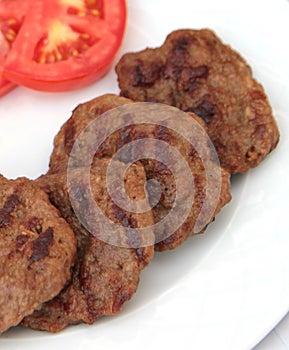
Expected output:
(89, 111)
(37, 250)
(70, 131)
(105, 276)
(194, 71)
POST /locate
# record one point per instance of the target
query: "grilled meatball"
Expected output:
(195, 71)
(105, 275)
(203, 188)
(37, 250)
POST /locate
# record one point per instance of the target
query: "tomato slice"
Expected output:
(11, 15)
(66, 44)
(5, 85)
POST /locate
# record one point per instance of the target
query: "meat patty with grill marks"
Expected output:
(203, 188)
(195, 71)
(105, 275)
(37, 250)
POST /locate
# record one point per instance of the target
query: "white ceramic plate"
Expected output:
(222, 290)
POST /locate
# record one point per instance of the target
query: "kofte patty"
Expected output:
(195, 71)
(203, 187)
(37, 250)
(105, 275)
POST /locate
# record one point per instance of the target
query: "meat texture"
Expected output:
(195, 71)
(105, 275)
(37, 249)
(202, 187)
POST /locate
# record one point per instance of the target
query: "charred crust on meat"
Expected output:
(193, 153)
(100, 135)
(146, 74)
(162, 133)
(129, 223)
(5, 213)
(205, 110)
(188, 80)
(181, 44)
(21, 240)
(69, 136)
(161, 169)
(177, 58)
(40, 246)
(122, 217)
(180, 69)
(34, 225)
(125, 136)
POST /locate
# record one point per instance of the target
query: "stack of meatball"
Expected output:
(54, 270)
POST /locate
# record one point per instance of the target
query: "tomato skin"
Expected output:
(21, 68)
(6, 86)
(10, 10)
(56, 85)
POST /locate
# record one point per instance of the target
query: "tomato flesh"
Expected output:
(66, 44)
(12, 14)
(5, 85)
(9, 27)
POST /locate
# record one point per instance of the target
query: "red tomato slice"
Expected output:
(12, 13)
(66, 44)
(5, 85)
(9, 26)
